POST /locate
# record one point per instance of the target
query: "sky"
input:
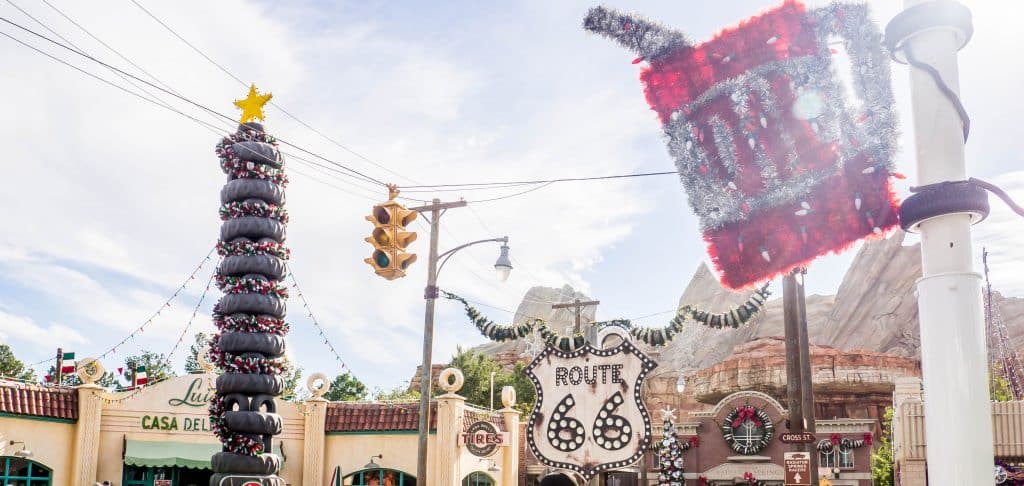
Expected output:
(111, 202)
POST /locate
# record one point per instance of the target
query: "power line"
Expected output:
(516, 194)
(354, 173)
(543, 181)
(272, 103)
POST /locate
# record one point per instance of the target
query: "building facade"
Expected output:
(160, 435)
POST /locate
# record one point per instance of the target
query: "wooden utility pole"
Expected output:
(578, 305)
(799, 387)
(58, 375)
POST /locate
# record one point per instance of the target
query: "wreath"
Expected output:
(741, 414)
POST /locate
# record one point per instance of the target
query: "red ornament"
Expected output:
(835, 439)
(867, 439)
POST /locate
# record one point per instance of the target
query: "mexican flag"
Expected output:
(140, 376)
(68, 363)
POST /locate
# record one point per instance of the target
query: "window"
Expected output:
(478, 479)
(16, 471)
(379, 477)
(837, 457)
(845, 458)
(827, 458)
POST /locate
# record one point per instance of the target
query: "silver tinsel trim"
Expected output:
(711, 196)
(648, 39)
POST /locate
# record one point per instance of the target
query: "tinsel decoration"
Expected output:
(778, 165)
(670, 455)
(254, 363)
(843, 443)
(249, 323)
(240, 285)
(232, 441)
(652, 336)
(238, 209)
(251, 248)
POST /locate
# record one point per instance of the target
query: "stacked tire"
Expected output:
(244, 411)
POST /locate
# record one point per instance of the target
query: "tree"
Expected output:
(12, 367)
(201, 345)
(999, 385)
(157, 367)
(670, 455)
(399, 393)
(291, 376)
(346, 388)
(108, 380)
(881, 458)
(477, 367)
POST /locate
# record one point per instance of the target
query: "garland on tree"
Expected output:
(252, 248)
(233, 363)
(241, 169)
(249, 323)
(233, 441)
(239, 209)
(659, 336)
(240, 285)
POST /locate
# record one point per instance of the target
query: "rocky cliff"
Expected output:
(874, 310)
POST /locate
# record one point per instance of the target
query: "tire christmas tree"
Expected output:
(249, 349)
(670, 455)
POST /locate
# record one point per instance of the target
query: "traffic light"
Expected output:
(390, 238)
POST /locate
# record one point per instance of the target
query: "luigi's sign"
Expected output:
(589, 416)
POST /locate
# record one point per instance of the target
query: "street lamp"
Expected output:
(503, 265)
(24, 453)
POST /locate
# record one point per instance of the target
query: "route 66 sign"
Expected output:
(589, 416)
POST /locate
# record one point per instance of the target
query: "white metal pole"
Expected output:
(958, 420)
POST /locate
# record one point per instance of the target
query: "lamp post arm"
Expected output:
(448, 254)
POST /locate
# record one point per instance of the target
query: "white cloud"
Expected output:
(26, 330)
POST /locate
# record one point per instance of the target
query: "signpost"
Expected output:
(797, 438)
(483, 439)
(589, 416)
(798, 468)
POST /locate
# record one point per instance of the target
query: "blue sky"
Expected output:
(113, 201)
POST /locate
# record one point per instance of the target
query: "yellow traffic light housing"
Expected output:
(390, 238)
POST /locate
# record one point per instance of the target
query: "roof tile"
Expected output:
(358, 417)
(36, 400)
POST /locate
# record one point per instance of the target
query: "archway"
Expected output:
(379, 477)
(557, 479)
(18, 470)
(478, 478)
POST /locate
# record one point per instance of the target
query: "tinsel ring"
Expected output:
(251, 248)
(239, 209)
(240, 285)
(250, 170)
(250, 323)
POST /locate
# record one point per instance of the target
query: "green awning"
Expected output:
(167, 453)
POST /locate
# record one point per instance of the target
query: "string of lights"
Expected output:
(160, 310)
(195, 311)
(309, 313)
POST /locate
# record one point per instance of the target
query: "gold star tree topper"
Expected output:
(252, 105)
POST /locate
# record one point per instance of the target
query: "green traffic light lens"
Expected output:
(382, 259)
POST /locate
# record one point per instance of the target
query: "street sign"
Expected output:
(798, 468)
(797, 438)
(589, 416)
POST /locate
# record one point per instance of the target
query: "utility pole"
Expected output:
(59, 376)
(958, 415)
(578, 305)
(436, 208)
(799, 391)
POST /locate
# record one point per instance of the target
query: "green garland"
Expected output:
(659, 336)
